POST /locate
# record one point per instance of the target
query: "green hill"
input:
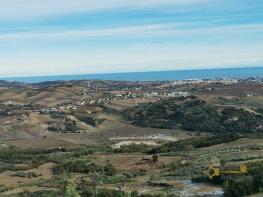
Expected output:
(192, 114)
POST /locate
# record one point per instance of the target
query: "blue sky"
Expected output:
(101, 36)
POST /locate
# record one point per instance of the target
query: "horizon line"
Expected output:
(125, 72)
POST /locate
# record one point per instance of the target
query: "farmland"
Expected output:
(105, 138)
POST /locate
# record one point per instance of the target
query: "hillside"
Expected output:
(193, 114)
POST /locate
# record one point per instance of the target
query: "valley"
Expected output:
(117, 138)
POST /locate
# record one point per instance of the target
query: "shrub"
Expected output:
(110, 170)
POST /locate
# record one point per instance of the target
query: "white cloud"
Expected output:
(15, 9)
(155, 30)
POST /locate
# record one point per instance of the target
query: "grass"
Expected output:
(133, 169)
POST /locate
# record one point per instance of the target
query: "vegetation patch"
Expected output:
(193, 143)
(192, 114)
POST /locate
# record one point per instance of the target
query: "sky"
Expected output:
(60, 37)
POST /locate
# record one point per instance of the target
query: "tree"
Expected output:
(155, 158)
(223, 162)
(110, 170)
(70, 191)
(173, 166)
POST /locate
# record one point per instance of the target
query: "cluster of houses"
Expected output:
(223, 81)
(125, 94)
(114, 95)
(201, 81)
(166, 94)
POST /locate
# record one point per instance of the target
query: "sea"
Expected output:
(219, 73)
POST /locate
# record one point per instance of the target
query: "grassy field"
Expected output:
(58, 169)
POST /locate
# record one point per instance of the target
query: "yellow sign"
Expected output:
(215, 170)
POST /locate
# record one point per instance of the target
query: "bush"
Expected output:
(80, 166)
(195, 143)
(132, 148)
(38, 194)
(246, 185)
(110, 170)
(238, 187)
(71, 126)
(97, 192)
(26, 174)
